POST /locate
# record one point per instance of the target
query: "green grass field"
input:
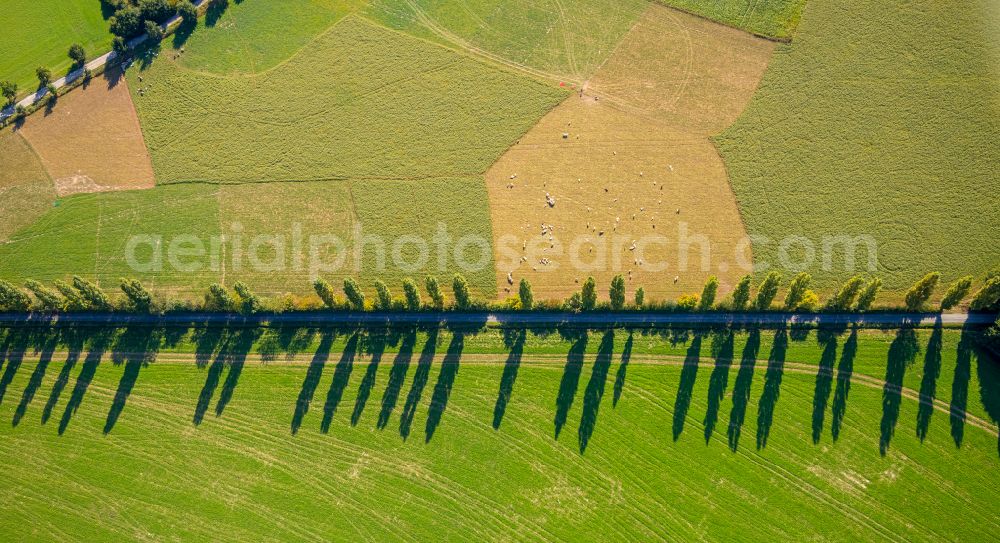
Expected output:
(426, 112)
(558, 39)
(90, 234)
(252, 37)
(878, 120)
(402, 438)
(39, 33)
(768, 18)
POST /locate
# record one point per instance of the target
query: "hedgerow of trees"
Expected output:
(857, 294)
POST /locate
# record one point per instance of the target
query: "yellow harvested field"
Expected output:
(622, 178)
(25, 190)
(91, 140)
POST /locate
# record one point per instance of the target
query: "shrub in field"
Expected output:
(574, 302)
(988, 296)
(708, 294)
(136, 296)
(77, 54)
(434, 291)
(640, 297)
(325, 293)
(153, 30)
(119, 46)
(768, 290)
(73, 300)
(156, 10)
(867, 298)
(921, 291)
(741, 294)
(13, 298)
(354, 295)
(187, 11)
(9, 91)
(249, 302)
(810, 301)
(617, 292)
(524, 294)
(461, 289)
(218, 299)
(126, 22)
(93, 296)
(688, 302)
(588, 294)
(411, 294)
(797, 291)
(956, 292)
(48, 299)
(845, 298)
(383, 298)
(44, 76)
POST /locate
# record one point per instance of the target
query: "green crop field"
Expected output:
(575, 436)
(39, 33)
(878, 120)
(768, 18)
(91, 234)
(558, 39)
(252, 37)
(426, 112)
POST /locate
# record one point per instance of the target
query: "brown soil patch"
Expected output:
(91, 140)
(631, 169)
(25, 189)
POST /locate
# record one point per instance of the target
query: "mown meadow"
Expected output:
(877, 120)
(235, 434)
(40, 32)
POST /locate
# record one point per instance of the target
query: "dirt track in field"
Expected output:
(91, 140)
(630, 168)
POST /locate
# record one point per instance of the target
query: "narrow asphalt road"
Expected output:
(595, 319)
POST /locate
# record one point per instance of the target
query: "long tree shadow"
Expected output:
(722, 350)
(824, 380)
(902, 353)
(513, 339)
(374, 346)
(445, 381)
(99, 343)
(594, 392)
(845, 369)
(216, 9)
(622, 370)
(289, 339)
(960, 385)
(206, 341)
(136, 347)
(236, 356)
(15, 346)
(741, 389)
(74, 339)
(686, 387)
(341, 377)
(928, 384)
(988, 372)
(397, 376)
(772, 387)
(313, 374)
(420, 378)
(234, 345)
(46, 347)
(571, 375)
